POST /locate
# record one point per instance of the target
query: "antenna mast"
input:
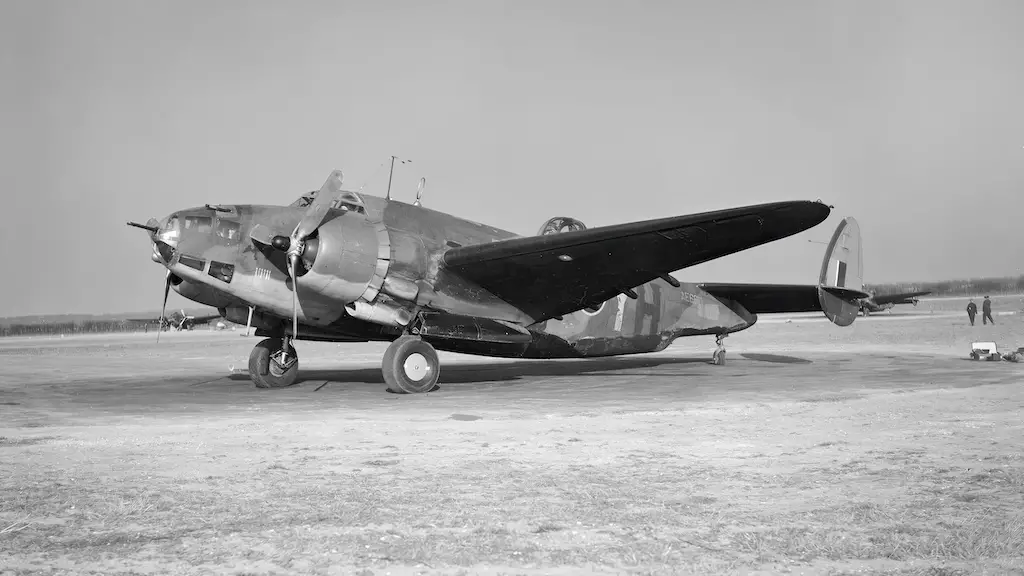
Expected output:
(392, 173)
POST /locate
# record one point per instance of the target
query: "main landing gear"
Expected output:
(269, 368)
(410, 366)
(718, 358)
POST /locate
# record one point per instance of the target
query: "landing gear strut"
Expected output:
(267, 367)
(410, 366)
(718, 358)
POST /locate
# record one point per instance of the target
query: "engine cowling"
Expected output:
(349, 262)
(342, 260)
(560, 224)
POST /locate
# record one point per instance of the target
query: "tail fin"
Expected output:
(841, 283)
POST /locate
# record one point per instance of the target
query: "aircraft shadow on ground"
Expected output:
(775, 358)
(517, 370)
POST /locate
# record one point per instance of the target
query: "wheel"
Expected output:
(718, 358)
(265, 370)
(410, 366)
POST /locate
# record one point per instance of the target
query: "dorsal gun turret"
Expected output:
(560, 224)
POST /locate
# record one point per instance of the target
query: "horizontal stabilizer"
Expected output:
(780, 298)
(845, 293)
(768, 298)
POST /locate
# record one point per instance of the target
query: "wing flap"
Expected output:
(547, 276)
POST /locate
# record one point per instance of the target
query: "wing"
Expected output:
(547, 276)
(898, 298)
(776, 298)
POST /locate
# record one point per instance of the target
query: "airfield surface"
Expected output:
(878, 448)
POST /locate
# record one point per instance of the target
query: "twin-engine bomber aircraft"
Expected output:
(341, 266)
(876, 303)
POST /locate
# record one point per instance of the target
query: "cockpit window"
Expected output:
(350, 201)
(304, 200)
(227, 230)
(198, 223)
(171, 229)
(347, 201)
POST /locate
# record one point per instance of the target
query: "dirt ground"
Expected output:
(875, 449)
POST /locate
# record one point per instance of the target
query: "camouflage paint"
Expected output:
(357, 250)
(660, 314)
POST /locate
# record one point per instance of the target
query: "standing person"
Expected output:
(986, 312)
(972, 310)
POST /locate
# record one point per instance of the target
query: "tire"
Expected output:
(410, 366)
(264, 372)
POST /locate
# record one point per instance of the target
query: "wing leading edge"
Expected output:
(547, 276)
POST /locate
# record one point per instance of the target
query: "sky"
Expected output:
(907, 115)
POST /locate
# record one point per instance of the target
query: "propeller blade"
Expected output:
(293, 263)
(294, 271)
(317, 210)
(163, 309)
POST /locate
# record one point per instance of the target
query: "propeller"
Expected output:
(295, 245)
(163, 309)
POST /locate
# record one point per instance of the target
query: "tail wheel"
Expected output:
(410, 366)
(265, 370)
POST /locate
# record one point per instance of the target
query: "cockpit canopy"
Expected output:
(223, 226)
(560, 224)
(348, 200)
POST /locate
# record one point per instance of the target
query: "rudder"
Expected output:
(842, 274)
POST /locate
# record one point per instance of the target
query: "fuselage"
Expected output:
(377, 252)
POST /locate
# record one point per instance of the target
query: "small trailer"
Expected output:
(989, 351)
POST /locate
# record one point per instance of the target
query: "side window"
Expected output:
(199, 224)
(221, 271)
(228, 230)
(192, 261)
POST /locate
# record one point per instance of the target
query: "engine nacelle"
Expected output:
(344, 258)
(560, 224)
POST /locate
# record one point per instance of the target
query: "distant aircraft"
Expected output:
(177, 320)
(341, 266)
(881, 303)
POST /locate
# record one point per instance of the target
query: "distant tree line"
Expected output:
(968, 287)
(80, 327)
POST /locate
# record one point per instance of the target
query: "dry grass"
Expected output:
(641, 509)
(776, 473)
